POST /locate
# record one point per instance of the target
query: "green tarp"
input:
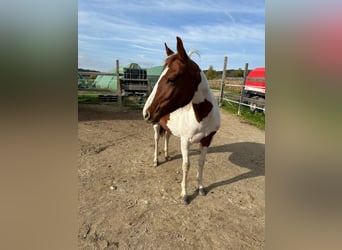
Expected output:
(154, 73)
(110, 82)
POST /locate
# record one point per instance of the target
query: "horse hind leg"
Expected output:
(156, 128)
(205, 142)
(201, 161)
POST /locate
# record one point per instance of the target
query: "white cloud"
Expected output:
(107, 31)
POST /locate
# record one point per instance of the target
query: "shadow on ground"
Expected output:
(248, 155)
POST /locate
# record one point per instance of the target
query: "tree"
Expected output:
(210, 73)
(239, 73)
(236, 73)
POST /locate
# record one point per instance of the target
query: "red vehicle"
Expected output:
(255, 87)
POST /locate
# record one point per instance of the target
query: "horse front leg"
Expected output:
(156, 128)
(166, 146)
(185, 144)
(201, 161)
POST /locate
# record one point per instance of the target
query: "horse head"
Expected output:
(176, 85)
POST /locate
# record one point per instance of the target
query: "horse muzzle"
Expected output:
(149, 119)
(147, 116)
(153, 117)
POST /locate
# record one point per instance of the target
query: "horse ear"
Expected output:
(168, 50)
(180, 49)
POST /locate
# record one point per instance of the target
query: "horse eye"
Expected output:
(171, 80)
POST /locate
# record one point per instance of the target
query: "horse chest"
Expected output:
(183, 123)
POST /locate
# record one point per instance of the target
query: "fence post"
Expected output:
(118, 83)
(243, 87)
(149, 87)
(223, 78)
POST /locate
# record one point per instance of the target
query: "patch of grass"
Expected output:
(256, 118)
(134, 102)
(88, 99)
(88, 92)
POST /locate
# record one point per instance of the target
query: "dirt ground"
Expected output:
(125, 203)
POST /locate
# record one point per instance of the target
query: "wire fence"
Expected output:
(231, 89)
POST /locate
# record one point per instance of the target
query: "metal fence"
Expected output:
(235, 93)
(125, 86)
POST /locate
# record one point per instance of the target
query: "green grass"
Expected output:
(134, 102)
(86, 92)
(256, 118)
(130, 102)
(88, 99)
(91, 97)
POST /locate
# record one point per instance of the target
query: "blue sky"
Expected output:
(135, 31)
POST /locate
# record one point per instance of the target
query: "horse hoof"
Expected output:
(185, 200)
(202, 191)
(155, 164)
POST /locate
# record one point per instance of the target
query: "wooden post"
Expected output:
(223, 78)
(118, 84)
(149, 87)
(243, 87)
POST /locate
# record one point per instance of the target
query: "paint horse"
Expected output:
(183, 105)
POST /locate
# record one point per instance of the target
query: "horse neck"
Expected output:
(203, 91)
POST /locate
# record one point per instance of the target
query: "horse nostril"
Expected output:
(147, 116)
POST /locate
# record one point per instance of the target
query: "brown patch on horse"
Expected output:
(163, 126)
(205, 142)
(202, 109)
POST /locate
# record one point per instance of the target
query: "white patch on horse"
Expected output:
(203, 91)
(183, 122)
(153, 93)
